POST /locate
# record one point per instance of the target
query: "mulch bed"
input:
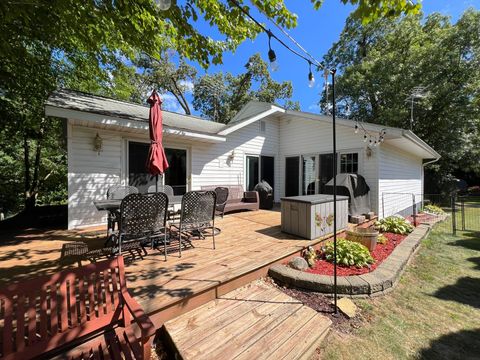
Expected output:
(381, 252)
(423, 217)
(324, 305)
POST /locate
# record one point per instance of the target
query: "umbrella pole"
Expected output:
(156, 183)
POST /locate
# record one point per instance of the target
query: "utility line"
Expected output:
(270, 35)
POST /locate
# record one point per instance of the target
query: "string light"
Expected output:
(373, 140)
(271, 54)
(311, 78)
(164, 4)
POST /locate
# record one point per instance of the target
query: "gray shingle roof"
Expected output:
(75, 100)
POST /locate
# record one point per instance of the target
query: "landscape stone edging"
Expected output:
(378, 282)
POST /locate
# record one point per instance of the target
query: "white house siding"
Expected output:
(90, 174)
(211, 164)
(400, 176)
(300, 136)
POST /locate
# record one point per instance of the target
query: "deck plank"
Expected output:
(266, 323)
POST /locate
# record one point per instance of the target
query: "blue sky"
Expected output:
(316, 32)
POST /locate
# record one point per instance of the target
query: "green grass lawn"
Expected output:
(434, 312)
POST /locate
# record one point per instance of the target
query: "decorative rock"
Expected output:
(370, 215)
(346, 306)
(298, 263)
(357, 219)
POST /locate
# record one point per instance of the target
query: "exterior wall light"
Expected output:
(97, 144)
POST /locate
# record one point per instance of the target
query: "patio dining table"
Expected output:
(113, 208)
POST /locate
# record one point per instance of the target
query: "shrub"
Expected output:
(394, 224)
(433, 209)
(349, 253)
(382, 239)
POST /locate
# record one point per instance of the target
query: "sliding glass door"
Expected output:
(175, 176)
(309, 174)
(292, 173)
(252, 169)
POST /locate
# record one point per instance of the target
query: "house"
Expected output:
(108, 144)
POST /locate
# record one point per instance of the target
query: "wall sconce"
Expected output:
(231, 156)
(368, 151)
(97, 144)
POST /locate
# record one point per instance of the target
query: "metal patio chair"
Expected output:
(196, 215)
(117, 192)
(167, 189)
(222, 197)
(143, 219)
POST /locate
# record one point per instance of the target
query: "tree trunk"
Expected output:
(26, 158)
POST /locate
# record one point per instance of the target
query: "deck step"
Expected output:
(257, 321)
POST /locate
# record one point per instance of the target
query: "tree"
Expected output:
(381, 62)
(89, 45)
(165, 76)
(220, 96)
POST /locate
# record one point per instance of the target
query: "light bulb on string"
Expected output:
(311, 78)
(164, 4)
(356, 128)
(271, 54)
(365, 138)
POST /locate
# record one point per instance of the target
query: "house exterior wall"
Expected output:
(211, 164)
(91, 174)
(386, 169)
(400, 178)
(300, 136)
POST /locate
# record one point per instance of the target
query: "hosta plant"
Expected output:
(433, 209)
(382, 239)
(349, 253)
(394, 224)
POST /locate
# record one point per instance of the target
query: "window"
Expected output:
(349, 163)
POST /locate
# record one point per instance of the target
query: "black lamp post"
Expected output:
(334, 132)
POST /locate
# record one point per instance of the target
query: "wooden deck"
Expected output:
(253, 322)
(250, 242)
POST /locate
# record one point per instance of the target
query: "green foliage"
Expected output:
(433, 209)
(394, 224)
(91, 46)
(220, 96)
(381, 62)
(349, 253)
(370, 10)
(382, 239)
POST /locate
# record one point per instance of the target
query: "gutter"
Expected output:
(430, 162)
(411, 136)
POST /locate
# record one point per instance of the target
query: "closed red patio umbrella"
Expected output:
(157, 161)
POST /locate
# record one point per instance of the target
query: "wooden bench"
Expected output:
(82, 313)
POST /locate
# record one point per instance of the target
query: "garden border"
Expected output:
(378, 282)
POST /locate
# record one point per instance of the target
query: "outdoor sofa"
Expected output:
(238, 199)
